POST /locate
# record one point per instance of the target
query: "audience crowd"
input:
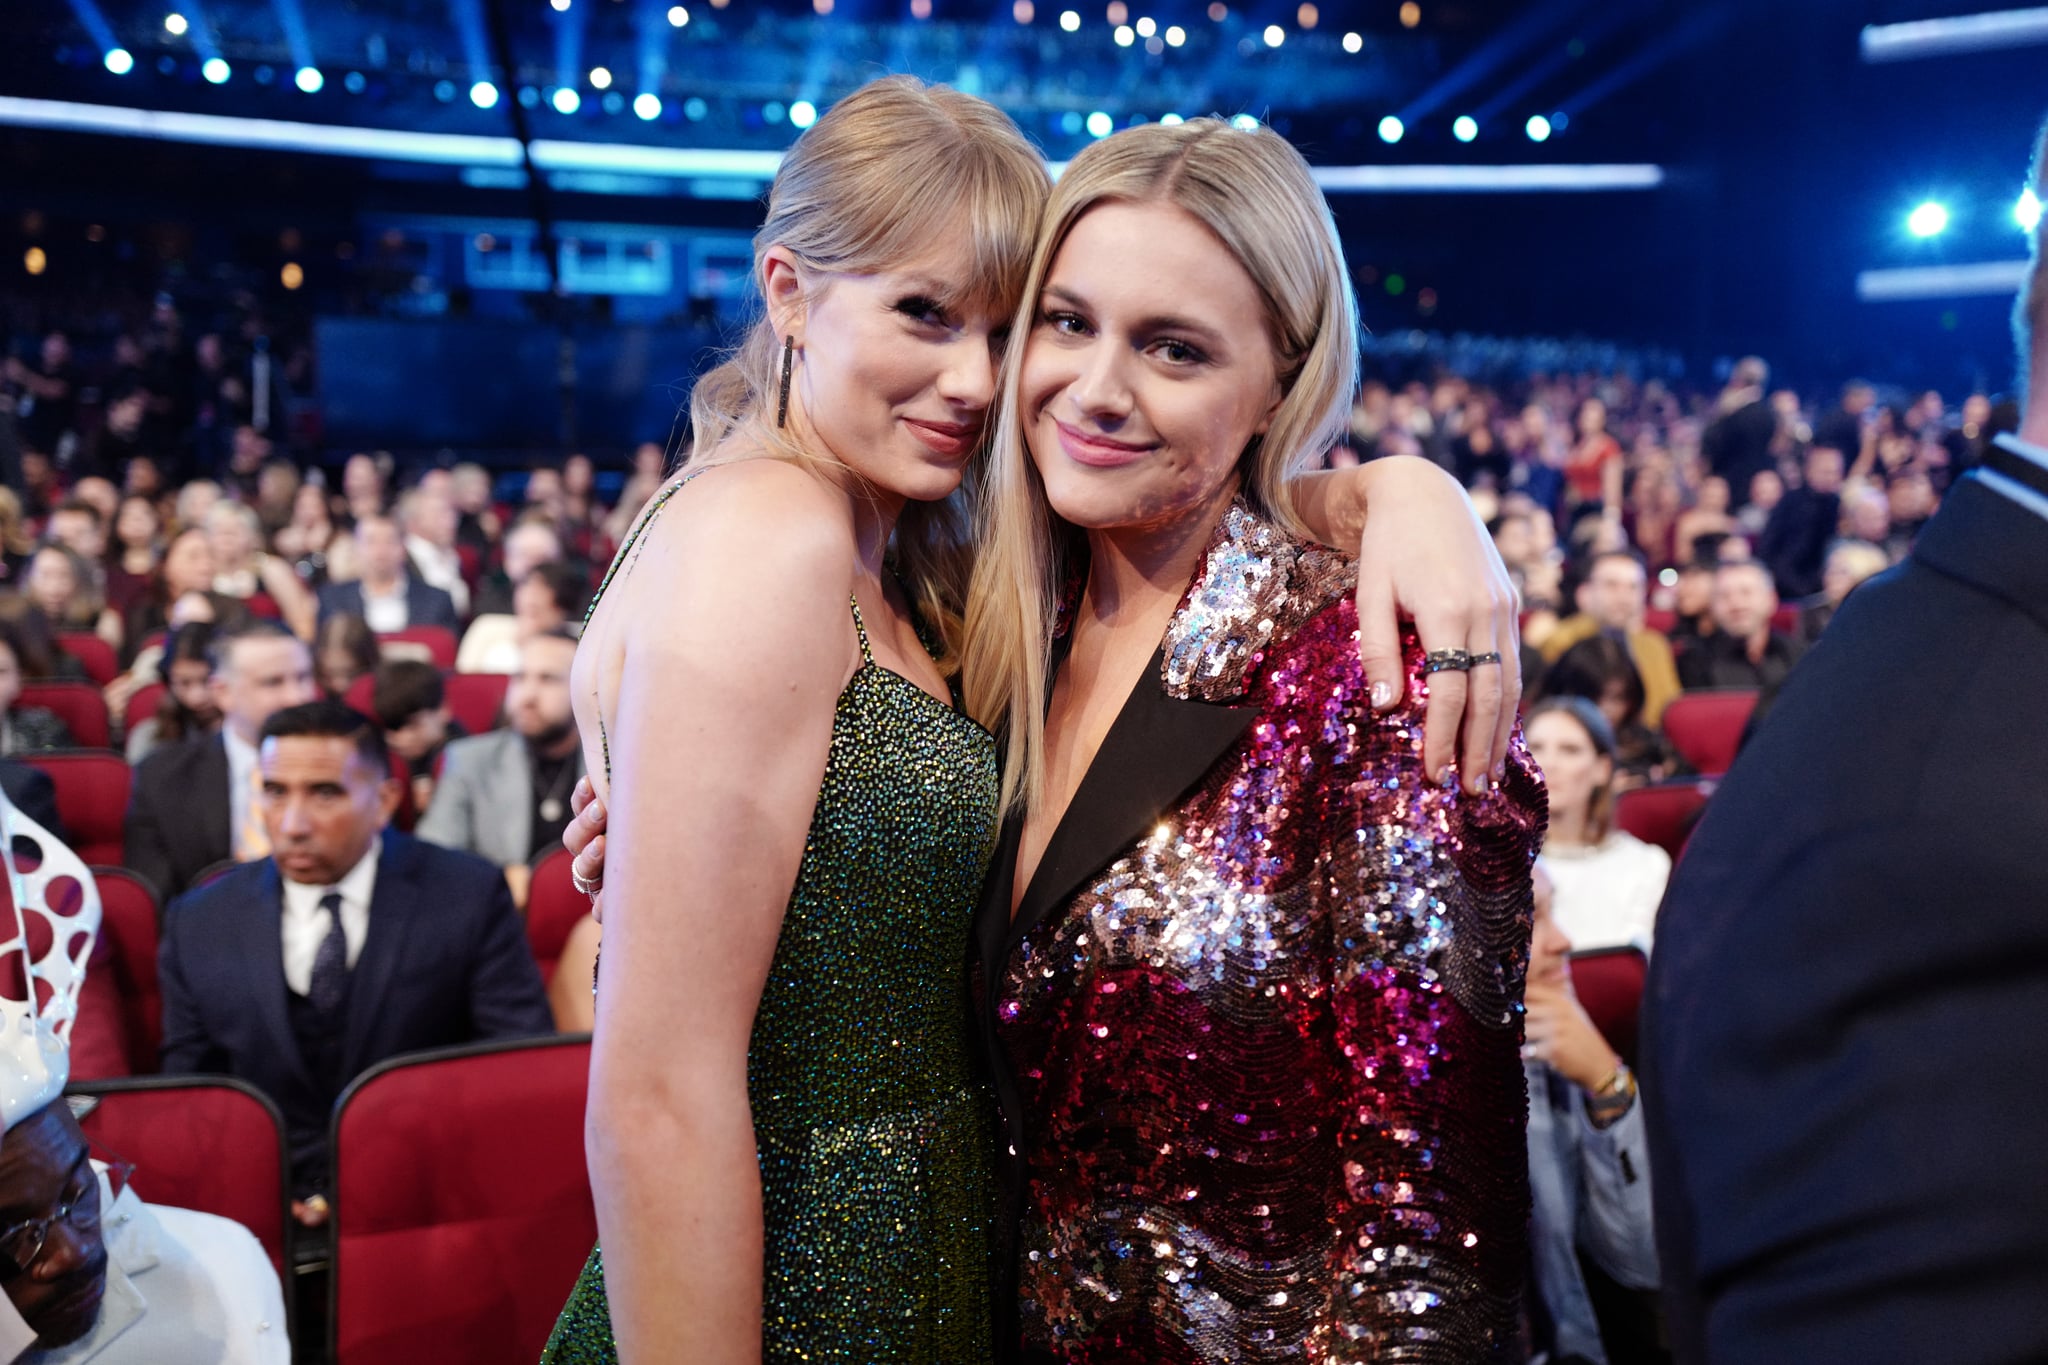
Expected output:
(221, 587)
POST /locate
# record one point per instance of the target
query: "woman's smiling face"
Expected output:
(1148, 370)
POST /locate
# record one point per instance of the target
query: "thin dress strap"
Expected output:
(860, 628)
(623, 562)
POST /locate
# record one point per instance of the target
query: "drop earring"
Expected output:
(782, 403)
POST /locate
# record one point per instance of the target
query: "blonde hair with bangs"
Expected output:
(1254, 191)
(884, 173)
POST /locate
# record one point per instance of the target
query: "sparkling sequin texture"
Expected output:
(874, 1137)
(1272, 1102)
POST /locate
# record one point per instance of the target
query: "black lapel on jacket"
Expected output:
(392, 901)
(1983, 537)
(258, 929)
(1157, 748)
(216, 818)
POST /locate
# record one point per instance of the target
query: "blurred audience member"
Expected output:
(138, 536)
(181, 590)
(478, 526)
(1743, 651)
(1795, 540)
(1737, 444)
(199, 802)
(63, 586)
(1850, 562)
(1608, 882)
(1593, 470)
(195, 501)
(363, 479)
(643, 483)
(387, 596)
(188, 708)
(1589, 1170)
(411, 703)
(16, 544)
(1613, 600)
(1600, 669)
(528, 543)
(264, 584)
(429, 521)
(23, 729)
(1708, 516)
(552, 596)
(505, 795)
(78, 526)
(344, 650)
(448, 964)
(315, 550)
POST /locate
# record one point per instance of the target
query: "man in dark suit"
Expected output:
(1743, 651)
(349, 945)
(388, 595)
(196, 803)
(1845, 1012)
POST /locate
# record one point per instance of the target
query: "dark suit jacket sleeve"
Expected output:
(144, 848)
(438, 609)
(187, 1046)
(506, 997)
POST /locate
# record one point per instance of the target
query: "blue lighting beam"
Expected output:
(1955, 35)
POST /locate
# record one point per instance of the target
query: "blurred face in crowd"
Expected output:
(1743, 600)
(431, 517)
(534, 606)
(1824, 469)
(1573, 769)
(423, 732)
(56, 351)
(380, 550)
(191, 685)
(98, 494)
(647, 460)
(1766, 488)
(277, 485)
(1976, 412)
(251, 449)
(233, 542)
(188, 564)
(323, 804)
(136, 525)
(337, 668)
(52, 581)
(143, 478)
(537, 700)
(1616, 593)
(1713, 494)
(260, 676)
(1592, 418)
(309, 506)
(1134, 422)
(44, 1167)
(10, 678)
(361, 481)
(1911, 497)
(1695, 597)
(1847, 566)
(578, 477)
(79, 530)
(527, 546)
(470, 485)
(544, 490)
(125, 414)
(208, 351)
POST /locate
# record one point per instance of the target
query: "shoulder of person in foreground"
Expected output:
(217, 1259)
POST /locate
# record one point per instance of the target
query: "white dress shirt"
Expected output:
(1606, 896)
(306, 924)
(242, 765)
(388, 613)
(2013, 488)
(183, 1288)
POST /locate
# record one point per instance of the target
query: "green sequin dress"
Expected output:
(874, 1137)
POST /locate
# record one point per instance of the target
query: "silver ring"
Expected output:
(588, 888)
(1490, 657)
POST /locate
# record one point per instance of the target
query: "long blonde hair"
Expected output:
(883, 174)
(1257, 195)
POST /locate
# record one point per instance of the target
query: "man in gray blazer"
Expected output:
(504, 796)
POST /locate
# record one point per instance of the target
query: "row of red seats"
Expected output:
(462, 1207)
(101, 664)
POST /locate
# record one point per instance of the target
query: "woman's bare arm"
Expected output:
(738, 646)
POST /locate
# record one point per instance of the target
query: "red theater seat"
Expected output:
(128, 924)
(553, 907)
(1785, 620)
(78, 704)
(436, 642)
(1664, 814)
(1706, 726)
(361, 695)
(1609, 983)
(462, 1205)
(141, 706)
(92, 799)
(95, 655)
(1660, 621)
(209, 1143)
(477, 698)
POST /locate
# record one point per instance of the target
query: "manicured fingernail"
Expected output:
(1500, 771)
(1382, 694)
(1447, 779)
(1477, 786)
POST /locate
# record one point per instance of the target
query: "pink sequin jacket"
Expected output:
(1256, 1023)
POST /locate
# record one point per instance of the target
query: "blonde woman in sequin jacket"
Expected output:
(1250, 966)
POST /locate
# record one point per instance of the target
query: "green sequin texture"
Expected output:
(874, 1137)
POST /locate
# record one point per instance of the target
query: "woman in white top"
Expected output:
(1608, 882)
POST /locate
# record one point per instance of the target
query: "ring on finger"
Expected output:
(1447, 661)
(587, 885)
(1491, 656)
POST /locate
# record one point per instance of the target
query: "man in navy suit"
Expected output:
(1844, 1021)
(388, 595)
(348, 945)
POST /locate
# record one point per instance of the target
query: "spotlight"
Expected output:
(1307, 16)
(309, 79)
(1928, 220)
(292, 276)
(1171, 119)
(1465, 128)
(1070, 123)
(613, 102)
(529, 98)
(355, 83)
(1070, 21)
(647, 106)
(1560, 121)
(566, 101)
(484, 95)
(1245, 123)
(175, 25)
(444, 91)
(1538, 128)
(1023, 11)
(119, 62)
(694, 109)
(1411, 14)
(1146, 28)
(2027, 213)
(803, 113)
(1353, 43)
(1275, 35)
(1118, 13)
(34, 261)
(677, 16)
(216, 71)
(1155, 45)
(1100, 124)
(1391, 129)
(773, 111)
(559, 6)
(1175, 35)
(1124, 36)
(600, 78)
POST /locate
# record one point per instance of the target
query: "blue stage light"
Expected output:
(355, 83)
(216, 71)
(1538, 128)
(803, 113)
(1465, 128)
(1391, 129)
(444, 91)
(647, 106)
(1928, 220)
(484, 95)
(694, 109)
(773, 111)
(1100, 124)
(119, 61)
(1275, 35)
(2027, 213)
(566, 101)
(1245, 123)
(1171, 119)
(309, 79)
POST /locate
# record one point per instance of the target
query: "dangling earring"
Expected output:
(782, 403)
